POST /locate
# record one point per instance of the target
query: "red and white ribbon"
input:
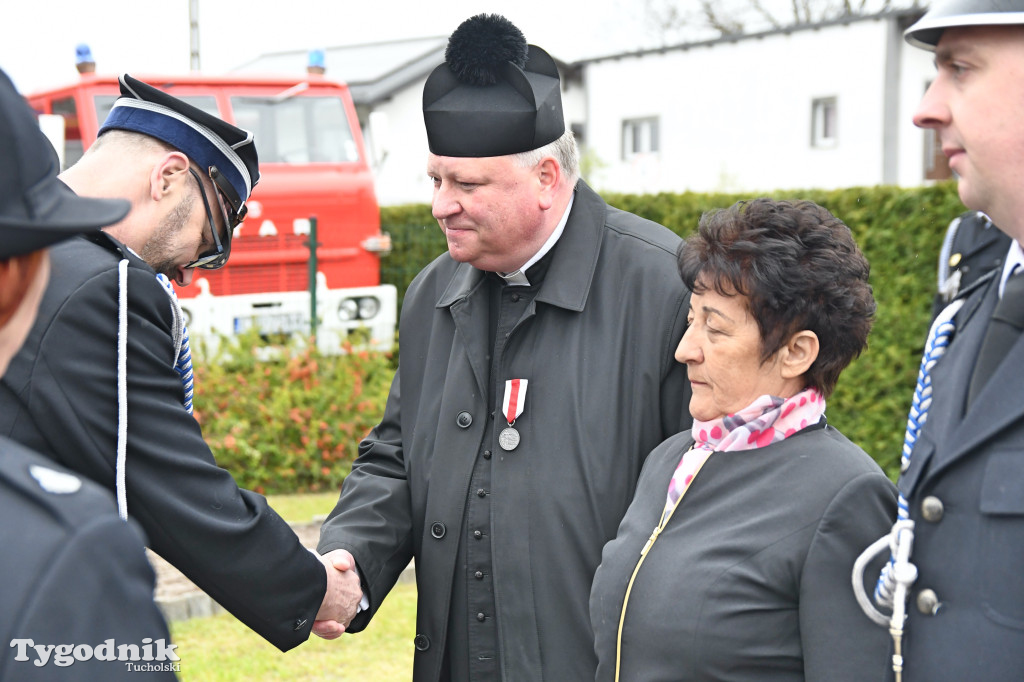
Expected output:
(515, 398)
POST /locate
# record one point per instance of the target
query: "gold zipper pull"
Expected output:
(650, 540)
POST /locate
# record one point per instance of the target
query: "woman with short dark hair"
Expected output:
(759, 511)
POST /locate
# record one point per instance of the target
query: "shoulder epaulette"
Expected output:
(977, 284)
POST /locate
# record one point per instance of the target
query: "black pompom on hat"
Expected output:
(494, 95)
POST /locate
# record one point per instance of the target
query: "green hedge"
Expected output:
(286, 420)
(900, 231)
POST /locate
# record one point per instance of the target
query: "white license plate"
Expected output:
(274, 323)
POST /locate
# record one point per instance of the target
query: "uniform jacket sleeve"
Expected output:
(373, 519)
(375, 494)
(226, 540)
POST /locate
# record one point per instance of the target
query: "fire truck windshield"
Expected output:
(297, 130)
(304, 129)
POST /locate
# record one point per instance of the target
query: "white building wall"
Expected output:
(736, 116)
(574, 104)
(402, 176)
(918, 69)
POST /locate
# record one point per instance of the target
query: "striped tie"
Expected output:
(183, 364)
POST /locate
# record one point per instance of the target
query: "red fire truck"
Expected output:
(313, 164)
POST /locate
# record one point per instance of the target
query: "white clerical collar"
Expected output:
(518, 278)
(1014, 261)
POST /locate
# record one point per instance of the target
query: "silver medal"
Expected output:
(508, 439)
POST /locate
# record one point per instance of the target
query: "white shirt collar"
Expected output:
(1014, 260)
(518, 278)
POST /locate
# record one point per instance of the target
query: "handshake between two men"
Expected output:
(343, 596)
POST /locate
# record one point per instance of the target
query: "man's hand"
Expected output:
(344, 593)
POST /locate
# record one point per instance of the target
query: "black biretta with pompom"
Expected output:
(494, 95)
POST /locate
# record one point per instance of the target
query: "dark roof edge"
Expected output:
(283, 53)
(735, 38)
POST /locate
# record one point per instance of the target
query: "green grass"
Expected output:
(221, 649)
(302, 508)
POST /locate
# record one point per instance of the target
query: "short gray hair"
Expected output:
(565, 151)
(130, 141)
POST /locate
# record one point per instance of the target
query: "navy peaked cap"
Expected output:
(207, 140)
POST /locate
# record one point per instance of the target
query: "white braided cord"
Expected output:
(122, 387)
(939, 337)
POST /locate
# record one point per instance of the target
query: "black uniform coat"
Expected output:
(967, 471)
(59, 397)
(750, 578)
(71, 572)
(596, 345)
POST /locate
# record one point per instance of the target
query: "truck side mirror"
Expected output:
(52, 126)
(380, 137)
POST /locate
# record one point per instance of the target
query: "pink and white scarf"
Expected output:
(769, 419)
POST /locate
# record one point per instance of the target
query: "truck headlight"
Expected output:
(348, 310)
(368, 307)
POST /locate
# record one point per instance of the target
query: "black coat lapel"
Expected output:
(997, 405)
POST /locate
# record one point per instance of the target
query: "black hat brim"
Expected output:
(58, 214)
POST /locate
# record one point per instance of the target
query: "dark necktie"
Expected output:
(1003, 331)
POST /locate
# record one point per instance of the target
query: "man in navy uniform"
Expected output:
(972, 247)
(103, 384)
(71, 572)
(536, 373)
(964, 481)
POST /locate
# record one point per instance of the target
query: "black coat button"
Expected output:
(515, 298)
(422, 642)
(481, 617)
(464, 420)
(437, 530)
(479, 575)
(477, 534)
(487, 454)
(481, 493)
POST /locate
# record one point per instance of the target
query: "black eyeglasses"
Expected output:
(216, 258)
(231, 202)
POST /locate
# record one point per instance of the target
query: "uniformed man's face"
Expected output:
(490, 210)
(975, 104)
(182, 236)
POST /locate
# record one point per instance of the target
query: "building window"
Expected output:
(579, 132)
(824, 120)
(639, 136)
(936, 165)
